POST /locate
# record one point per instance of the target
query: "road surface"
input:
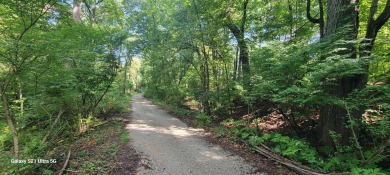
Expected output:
(168, 146)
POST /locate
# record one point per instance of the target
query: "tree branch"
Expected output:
(33, 22)
(244, 16)
(309, 17)
(65, 164)
(52, 125)
(384, 16)
(374, 25)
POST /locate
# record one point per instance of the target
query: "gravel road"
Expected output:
(168, 146)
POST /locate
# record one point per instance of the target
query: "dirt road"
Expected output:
(168, 146)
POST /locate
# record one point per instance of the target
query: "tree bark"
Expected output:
(341, 17)
(205, 82)
(76, 10)
(21, 101)
(8, 117)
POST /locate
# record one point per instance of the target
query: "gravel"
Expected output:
(168, 146)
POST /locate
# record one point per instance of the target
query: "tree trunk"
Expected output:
(125, 76)
(21, 101)
(244, 58)
(8, 116)
(341, 17)
(239, 33)
(206, 85)
(235, 66)
(76, 11)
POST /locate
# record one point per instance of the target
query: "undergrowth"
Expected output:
(96, 151)
(338, 159)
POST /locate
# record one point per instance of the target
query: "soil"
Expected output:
(128, 159)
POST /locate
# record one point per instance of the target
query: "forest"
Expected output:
(307, 79)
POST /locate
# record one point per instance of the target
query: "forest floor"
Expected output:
(168, 146)
(103, 149)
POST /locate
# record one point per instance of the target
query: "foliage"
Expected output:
(229, 58)
(55, 74)
(87, 150)
(124, 137)
(297, 149)
(370, 171)
(114, 102)
(341, 159)
(203, 120)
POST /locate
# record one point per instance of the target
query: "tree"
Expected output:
(342, 23)
(239, 33)
(15, 55)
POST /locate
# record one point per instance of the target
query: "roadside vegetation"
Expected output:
(64, 74)
(307, 80)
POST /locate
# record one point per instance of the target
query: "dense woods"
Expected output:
(308, 78)
(322, 66)
(61, 69)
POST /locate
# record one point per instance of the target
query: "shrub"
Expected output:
(297, 149)
(203, 120)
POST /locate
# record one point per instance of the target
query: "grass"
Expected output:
(124, 138)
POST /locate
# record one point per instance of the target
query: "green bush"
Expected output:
(297, 149)
(203, 120)
(369, 171)
(114, 102)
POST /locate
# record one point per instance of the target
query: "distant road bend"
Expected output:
(168, 146)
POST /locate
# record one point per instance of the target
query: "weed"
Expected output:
(124, 137)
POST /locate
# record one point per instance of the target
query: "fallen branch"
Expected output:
(52, 126)
(65, 164)
(290, 164)
(299, 169)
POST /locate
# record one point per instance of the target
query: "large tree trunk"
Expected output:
(244, 58)
(341, 17)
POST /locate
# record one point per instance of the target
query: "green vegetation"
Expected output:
(202, 120)
(96, 151)
(315, 71)
(64, 70)
(309, 79)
